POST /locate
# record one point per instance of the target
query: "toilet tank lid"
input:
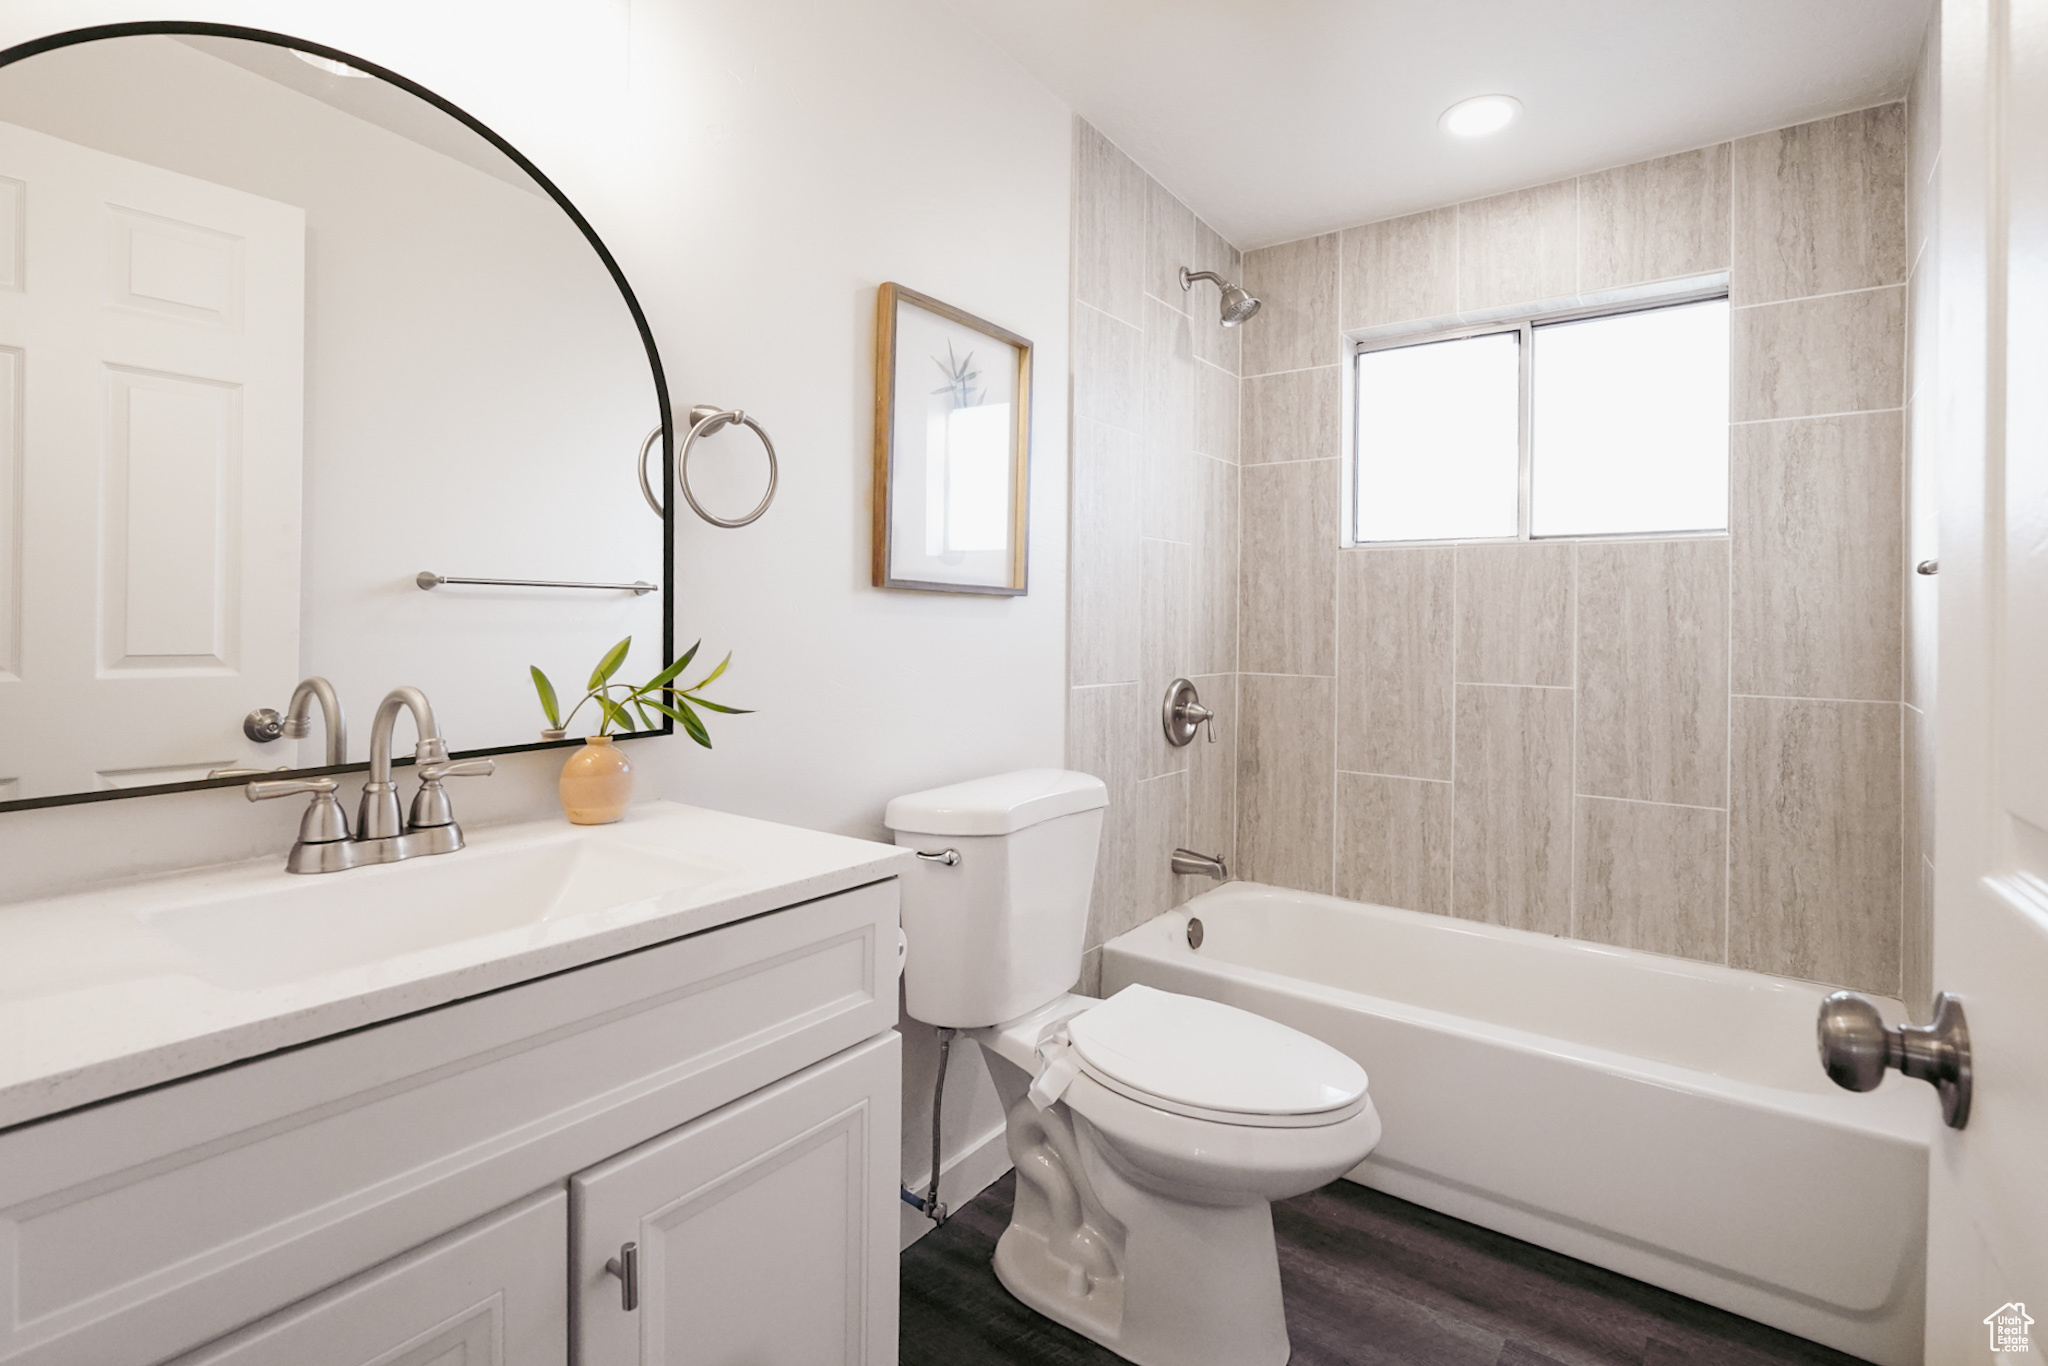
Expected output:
(999, 805)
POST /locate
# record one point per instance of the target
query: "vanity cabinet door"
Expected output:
(488, 1294)
(763, 1232)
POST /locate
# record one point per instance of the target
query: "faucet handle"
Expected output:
(430, 809)
(290, 787)
(456, 768)
(324, 822)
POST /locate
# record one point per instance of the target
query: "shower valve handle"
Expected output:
(1183, 712)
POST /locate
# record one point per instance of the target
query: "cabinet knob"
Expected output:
(626, 1266)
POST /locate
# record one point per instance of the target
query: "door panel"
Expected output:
(152, 340)
(486, 1295)
(1988, 1184)
(765, 1232)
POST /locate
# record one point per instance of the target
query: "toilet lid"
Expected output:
(1196, 1056)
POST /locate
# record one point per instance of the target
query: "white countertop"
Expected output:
(94, 1002)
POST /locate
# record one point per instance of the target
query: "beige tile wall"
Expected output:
(1698, 746)
(1155, 524)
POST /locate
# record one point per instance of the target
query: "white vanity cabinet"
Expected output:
(489, 1294)
(449, 1185)
(755, 1234)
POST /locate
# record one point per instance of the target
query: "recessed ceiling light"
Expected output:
(328, 64)
(1480, 115)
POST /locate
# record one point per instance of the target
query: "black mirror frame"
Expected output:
(178, 27)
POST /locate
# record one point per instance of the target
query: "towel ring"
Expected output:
(705, 419)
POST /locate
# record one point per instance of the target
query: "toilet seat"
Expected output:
(1206, 1060)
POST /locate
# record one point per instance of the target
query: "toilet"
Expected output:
(1152, 1131)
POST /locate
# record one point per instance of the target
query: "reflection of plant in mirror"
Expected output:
(658, 694)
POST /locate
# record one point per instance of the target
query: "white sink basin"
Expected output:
(110, 989)
(324, 923)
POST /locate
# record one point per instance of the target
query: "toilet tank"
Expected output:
(999, 932)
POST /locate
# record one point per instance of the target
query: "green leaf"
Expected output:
(691, 724)
(646, 721)
(713, 674)
(668, 675)
(718, 706)
(609, 665)
(548, 703)
(614, 714)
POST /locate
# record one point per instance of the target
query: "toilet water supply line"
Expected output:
(929, 1203)
(1057, 1068)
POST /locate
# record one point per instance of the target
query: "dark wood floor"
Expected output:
(1369, 1280)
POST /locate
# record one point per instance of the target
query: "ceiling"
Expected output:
(1279, 119)
(389, 107)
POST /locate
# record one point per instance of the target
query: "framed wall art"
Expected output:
(952, 448)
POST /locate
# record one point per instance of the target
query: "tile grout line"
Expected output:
(1906, 528)
(1843, 701)
(1451, 880)
(1811, 298)
(1645, 801)
(1572, 805)
(1815, 417)
(1392, 777)
(1297, 370)
(1728, 638)
(1336, 597)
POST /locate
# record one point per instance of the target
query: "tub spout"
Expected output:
(1188, 861)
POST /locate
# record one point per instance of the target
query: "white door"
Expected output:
(1988, 1192)
(489, 1294)
(764, 1232)
(152, 339)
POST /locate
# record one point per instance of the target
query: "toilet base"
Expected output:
(1159, 1280)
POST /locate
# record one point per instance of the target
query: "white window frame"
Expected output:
(1671, 294)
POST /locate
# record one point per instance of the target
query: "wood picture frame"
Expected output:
(952, 449)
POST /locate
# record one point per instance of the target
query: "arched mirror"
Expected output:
(288, 347)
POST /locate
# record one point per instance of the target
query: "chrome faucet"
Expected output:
(325, 845)
(1202, 865)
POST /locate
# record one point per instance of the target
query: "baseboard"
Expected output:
(962, 1176)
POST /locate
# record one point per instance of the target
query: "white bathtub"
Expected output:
(1662, 1118)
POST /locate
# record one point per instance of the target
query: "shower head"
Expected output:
(1237, 305)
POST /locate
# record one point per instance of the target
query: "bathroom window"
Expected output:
(1601, 425)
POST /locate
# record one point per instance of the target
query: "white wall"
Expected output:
(763, 168)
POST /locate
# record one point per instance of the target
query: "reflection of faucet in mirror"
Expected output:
(298, 718)
(324, 844)
(264, 725)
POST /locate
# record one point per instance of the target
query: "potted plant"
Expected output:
(597, 781)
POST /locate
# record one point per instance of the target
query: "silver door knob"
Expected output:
(1857, 1047)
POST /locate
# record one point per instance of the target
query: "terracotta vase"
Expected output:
(597, 783)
